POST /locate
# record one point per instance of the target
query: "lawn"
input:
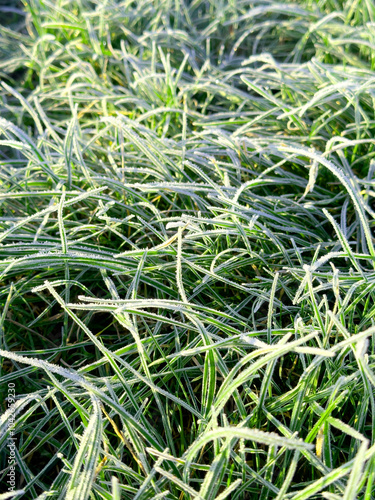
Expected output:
(187, 251)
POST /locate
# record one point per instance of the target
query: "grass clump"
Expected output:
(187, 251)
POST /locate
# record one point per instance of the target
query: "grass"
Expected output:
(187, 253)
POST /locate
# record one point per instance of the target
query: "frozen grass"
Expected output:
(187, 252)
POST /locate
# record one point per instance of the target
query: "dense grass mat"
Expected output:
(187, 254)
